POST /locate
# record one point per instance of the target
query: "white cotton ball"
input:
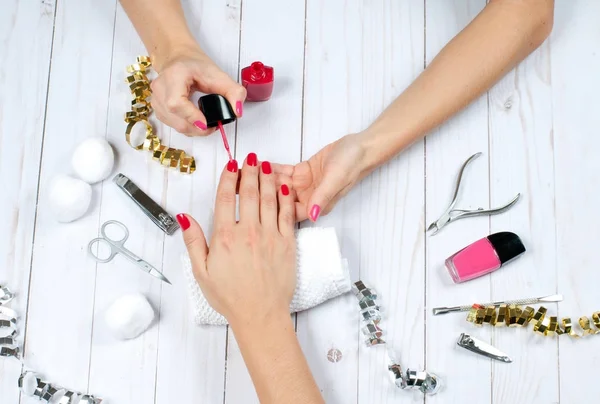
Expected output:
(69, 198)
(93, 160)
(129, 316)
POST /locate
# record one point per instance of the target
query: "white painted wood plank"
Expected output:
(23, 89)
(522, 160)
(63, 277)
(465, 375)
(575, 61)
(332, 109)
(125, 371)
(191, 359)
(390, 240)
(359, 57)
(271, 129)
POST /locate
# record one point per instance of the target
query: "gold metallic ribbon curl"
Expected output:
(141, 108)
(514, 316)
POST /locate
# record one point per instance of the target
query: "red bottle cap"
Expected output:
(258, 73)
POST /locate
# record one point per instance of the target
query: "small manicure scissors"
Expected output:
(452, 214)
(117, 247)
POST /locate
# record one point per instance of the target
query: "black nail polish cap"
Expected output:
(216, 108)
(508, 245)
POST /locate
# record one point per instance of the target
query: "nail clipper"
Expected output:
(154, 211)
(482, 348)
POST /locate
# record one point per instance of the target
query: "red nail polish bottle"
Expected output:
(258, 81)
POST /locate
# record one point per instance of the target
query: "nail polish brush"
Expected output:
(519, 302)
(225, 142)
(218, 112)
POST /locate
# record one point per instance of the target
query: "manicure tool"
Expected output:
(519, 302)
(117, 247)
(452, 214)
(482, 348)
(157, 214)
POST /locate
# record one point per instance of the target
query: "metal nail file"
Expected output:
(154, 211)
(482, 348)
(518, 302)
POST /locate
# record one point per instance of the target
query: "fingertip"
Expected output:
(194, 239)
(237, 97)
(239, 108)
(184, 221)
(287, 211)
(232, 166)
(200, 125)
(315, 211)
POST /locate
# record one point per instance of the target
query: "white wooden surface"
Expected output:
(338, 64)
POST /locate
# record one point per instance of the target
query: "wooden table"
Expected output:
(338, 64)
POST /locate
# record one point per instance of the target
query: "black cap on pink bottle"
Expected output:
(484, 256)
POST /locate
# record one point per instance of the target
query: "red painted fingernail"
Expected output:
(183, 221)
(232, 166)
(200, 125)
(266, 167)
(252, 160)
(314, 212)
(285, 190)
(239, 109)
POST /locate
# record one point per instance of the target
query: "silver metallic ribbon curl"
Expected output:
(29, 383)
(370, 313)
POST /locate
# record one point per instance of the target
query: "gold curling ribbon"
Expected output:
(514, 316)
(480, 316)
(584, 323)
(502, 312)
(472, 316)
(141, 108)
(568, 326)
(525, 317)
(514, 313)
(490, 315)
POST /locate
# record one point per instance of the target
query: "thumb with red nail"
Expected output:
(248, 275)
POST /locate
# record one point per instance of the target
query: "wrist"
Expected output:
(174, 48)
(371, 145)
(272, 321)
(380, 144)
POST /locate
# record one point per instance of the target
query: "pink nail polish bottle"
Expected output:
(258, 80)
(484, 256)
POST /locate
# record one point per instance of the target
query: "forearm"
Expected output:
(162, 27)
(275, 361)
(501, 36)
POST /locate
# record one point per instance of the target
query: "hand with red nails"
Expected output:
(321, 181)
(181, 64)
(249, 275)
(183, 73)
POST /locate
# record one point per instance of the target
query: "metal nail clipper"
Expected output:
(154, 211)
(452, 214)
(482, 348)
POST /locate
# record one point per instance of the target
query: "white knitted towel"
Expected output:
(322, 274)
